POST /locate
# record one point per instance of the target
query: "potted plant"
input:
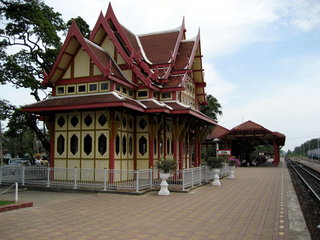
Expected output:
(233, 162)
(166, 166)
(215, 163)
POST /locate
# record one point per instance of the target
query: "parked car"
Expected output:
(19, 161)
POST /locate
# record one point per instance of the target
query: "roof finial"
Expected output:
(110, 11)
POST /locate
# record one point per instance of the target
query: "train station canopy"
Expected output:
(243, 138)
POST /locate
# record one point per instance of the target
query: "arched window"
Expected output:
(130, 145)
(87, 144)
(117, 145)
(74, 144)
(60, 144)
(102, 144)
(142, 145)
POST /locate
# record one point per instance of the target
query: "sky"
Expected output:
(261, 58)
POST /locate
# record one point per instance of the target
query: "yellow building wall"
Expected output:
(128, 74)
(108, 46)
(96, 71)
(143, 129)
(68, 125)
(120, 59)
(67, 74)
(81, 64)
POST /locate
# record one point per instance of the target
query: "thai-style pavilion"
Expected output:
(242, 140)
(123, 101)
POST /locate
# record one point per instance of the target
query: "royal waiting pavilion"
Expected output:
(122, 101)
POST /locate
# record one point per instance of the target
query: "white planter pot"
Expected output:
(164, 185)
(232, 168)
(216, 181)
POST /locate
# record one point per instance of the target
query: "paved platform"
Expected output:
(259, 203)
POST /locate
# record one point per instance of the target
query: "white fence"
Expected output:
(105, 180)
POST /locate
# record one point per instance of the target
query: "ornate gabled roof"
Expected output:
(162, 61)
(159, 47)
(182, 61)
(104, 58)
(75, 42)
(157, 55)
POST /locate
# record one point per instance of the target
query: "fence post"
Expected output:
(192, 170)
(105, 179)
(182, 179)
(48, 177)
(200, 169)
(16, 195)
(75, 177)
(206, 174)
(23, 172)
(137, 180)
(151, 177)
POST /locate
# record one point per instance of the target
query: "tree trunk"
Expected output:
(32, 123)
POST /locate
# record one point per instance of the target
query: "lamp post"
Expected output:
(216, 140)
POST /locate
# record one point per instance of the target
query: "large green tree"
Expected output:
(213, 109)
(29, 43)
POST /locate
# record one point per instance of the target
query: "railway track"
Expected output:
(307, 186)
(308, 176)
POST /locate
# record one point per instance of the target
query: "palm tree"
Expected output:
(213, 108)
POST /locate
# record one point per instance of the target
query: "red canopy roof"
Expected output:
(249, 129)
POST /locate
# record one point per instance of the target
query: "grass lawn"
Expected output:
(3, 202)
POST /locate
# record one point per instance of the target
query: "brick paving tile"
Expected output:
(252, 206)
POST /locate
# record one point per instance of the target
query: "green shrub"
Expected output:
(166, 165)
(215, 162)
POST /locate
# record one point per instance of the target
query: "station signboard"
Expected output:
(222, 152)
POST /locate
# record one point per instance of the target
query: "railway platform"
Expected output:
(260, 203)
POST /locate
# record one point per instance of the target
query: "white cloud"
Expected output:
(291, 109)
(217, 86)
(226, 26)
(304, 14)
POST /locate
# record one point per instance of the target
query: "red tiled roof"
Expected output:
(174, 81)
(184, 53)
(177, 106)
(132, 38)
(248, 126)
(150, 104)
(82, 102)
(159, 47)
(250, 129)
(217, 131)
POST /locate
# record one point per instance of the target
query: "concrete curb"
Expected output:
(297, 225)
(15, 206)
